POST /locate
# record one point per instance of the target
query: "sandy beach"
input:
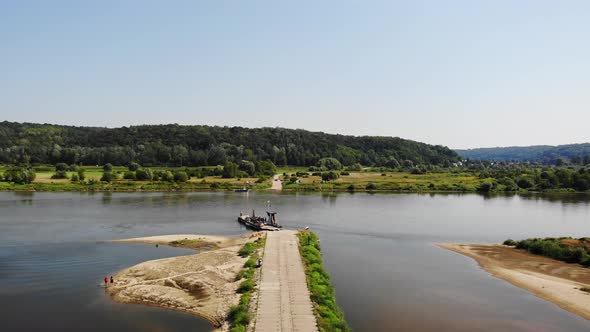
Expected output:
(202, 284)
(551, 280)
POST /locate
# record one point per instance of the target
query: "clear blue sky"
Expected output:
(458, 73)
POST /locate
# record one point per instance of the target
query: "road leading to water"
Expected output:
(284, 303)
(277, 184)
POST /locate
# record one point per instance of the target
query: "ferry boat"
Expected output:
(259, 223)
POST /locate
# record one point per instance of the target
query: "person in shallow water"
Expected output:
(106, 281)
(112, 279)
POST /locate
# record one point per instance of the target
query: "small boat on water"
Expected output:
(259, 223)
(243, 190)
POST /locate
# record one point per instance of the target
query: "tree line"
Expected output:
(577, 154)
(179, 145)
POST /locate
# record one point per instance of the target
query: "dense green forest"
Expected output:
(178, 145)
(544, 154)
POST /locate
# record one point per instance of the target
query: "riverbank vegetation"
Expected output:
(328, 314)
(239, 315)
(171, 157)
(564, 249)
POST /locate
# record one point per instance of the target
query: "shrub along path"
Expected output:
(284, 303)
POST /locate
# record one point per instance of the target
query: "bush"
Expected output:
(371, 186)
(75, 177)
(350, 188)
(19, 175)
(60, 175)
(180, 176)
(344, 173)
(245, 286)
(108, 177)
(166, 175)
(129, 175)
(329, 176)
(510, 242)
(107, 167)
(143, 174)
(553, 248)
(355, 167)
(486, 187)
(247, 249)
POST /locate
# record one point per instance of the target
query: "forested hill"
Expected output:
(173, 145)
(547, 154)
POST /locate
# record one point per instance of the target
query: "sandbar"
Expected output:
(202, 284)
(555, 281)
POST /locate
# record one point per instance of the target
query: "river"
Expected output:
(379, 249)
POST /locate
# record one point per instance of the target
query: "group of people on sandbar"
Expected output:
(106, 281)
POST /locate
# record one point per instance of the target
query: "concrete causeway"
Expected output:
(284, 303)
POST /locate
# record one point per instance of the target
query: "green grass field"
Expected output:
(355, 181)
(44, 182)
(391, 181)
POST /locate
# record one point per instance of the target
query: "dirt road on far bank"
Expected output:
(277, 184)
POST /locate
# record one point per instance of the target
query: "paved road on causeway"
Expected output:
(284, 303)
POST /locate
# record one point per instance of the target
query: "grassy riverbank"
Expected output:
(239, 315)
(323, 296)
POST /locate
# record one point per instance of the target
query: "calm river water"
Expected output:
(379, 250)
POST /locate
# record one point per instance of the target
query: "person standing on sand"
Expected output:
(106, 281)
(112, 279)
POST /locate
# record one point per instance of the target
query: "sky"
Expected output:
(463, 74)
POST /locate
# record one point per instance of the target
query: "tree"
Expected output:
(525, 182)
(107, 167)
(355, 167)
(81, 174)
(392, 163)
(230, 170)
(577, 160)
(247, 166)
(133, 166)
(108, 177)
(265, 168)
(408, 163)
(330, 164)
(61, 167)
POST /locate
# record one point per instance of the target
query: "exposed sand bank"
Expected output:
(551, 280)
(202, 284)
